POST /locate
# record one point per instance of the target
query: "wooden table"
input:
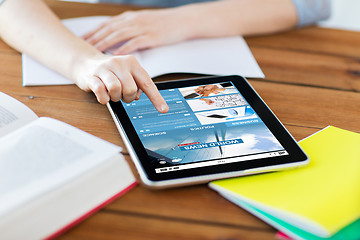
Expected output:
(312, 81)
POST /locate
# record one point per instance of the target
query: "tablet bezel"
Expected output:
(296, 156)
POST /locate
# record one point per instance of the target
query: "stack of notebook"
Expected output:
(320, 201)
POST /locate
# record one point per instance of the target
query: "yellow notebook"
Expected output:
(321, 198)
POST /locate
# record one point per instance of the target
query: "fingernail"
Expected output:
(163, 108)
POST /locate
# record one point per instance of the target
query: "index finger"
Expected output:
(145, 83)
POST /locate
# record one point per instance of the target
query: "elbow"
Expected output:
(326, 10)
(310, 11)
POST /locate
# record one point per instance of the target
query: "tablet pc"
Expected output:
(216, 127)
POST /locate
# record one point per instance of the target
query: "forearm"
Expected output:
(30, 27)
(238, 17)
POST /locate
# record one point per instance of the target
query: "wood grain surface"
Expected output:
(312, 81)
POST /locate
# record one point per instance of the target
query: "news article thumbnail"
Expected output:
(211, 103)
(226, 115)
(208, 90)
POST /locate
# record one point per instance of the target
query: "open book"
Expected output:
(217, 56)
(52, 175)
(317, 202)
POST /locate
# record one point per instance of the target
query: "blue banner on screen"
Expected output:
(205, 126)
(195, 146)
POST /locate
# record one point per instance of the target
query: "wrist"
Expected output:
(83, 64)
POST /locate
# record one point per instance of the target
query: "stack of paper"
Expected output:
(320, 201)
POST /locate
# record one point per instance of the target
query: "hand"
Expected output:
(115, 78)
(140, 30)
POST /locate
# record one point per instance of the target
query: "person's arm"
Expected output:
(151, 28)
(31, 27)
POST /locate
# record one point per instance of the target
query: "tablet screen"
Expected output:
(207, 125)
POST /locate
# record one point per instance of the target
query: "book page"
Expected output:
(13, 114)
(42, 156)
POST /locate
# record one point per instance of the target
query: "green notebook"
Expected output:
(349, 232)
(319, 201)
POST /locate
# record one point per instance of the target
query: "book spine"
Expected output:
(89, 213)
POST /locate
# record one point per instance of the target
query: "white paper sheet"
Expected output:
(217, 56)
(13, 114)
